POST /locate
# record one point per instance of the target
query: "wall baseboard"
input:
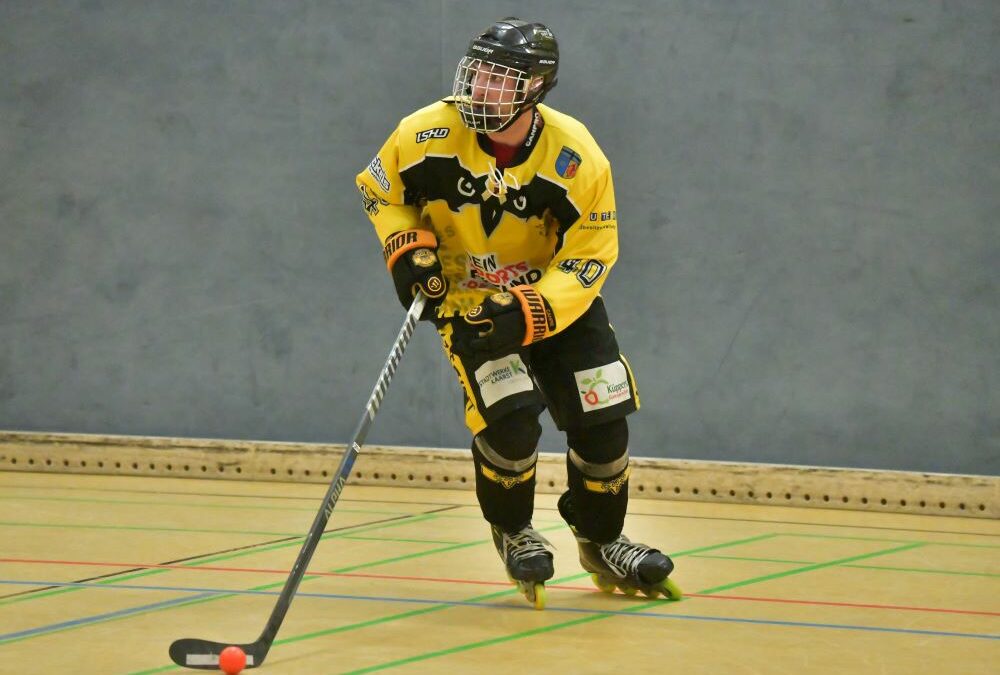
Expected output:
(652, 478)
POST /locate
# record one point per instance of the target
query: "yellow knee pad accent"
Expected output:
(507, 482)
(612, 486)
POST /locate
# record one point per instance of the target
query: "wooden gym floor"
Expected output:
(99, 574)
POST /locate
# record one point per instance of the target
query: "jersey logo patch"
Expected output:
(436, 132)
(378, 173)
(502, 378)
(485, 271)
(568, 162)
(371, 200)
(603, 387)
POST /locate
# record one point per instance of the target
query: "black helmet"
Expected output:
(524, 56)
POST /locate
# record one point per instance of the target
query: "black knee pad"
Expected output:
(601, 443)
(505, 456)
(515, 435)
(597, 471)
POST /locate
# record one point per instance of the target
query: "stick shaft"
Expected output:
(343, 471)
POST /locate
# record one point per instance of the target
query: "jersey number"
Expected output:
(587, 271)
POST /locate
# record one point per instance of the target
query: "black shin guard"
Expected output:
(597, 469)
(505, 454)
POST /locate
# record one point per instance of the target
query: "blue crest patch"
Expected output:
(568, 162)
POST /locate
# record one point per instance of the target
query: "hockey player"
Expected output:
(502, 211)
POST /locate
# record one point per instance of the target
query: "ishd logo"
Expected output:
(436, 132)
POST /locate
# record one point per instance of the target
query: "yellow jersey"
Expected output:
(547, 219)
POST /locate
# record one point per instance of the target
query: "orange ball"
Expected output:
(232, 660)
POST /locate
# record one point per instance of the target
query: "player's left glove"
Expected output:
(503, 323)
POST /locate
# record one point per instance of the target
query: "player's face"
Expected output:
(494, 88)
(489, 95)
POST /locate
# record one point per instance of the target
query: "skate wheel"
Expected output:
(539, 599)
(629, 591)
(603, 583)
(670, 590)
(667, 588)
(533, 592)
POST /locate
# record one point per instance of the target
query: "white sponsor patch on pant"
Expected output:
(603, 386)
(502, 378)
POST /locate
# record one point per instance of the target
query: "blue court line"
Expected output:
(53, 627)
(211, 592)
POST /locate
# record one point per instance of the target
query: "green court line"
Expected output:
(807, 568)
(269, 586)
(152, 671)
(921, 570)
(477, 645)
(728, 544)
(365, 624)
(752, 559)
(479, 517)
(534, 631)
(470, 516)
(575, 622)
(425, 610)
(338, 534)
(227, 556)
(436, 608)
(105, 490)
(493, 595)
(445, 549)
(264, 587)
(168, 504)
(410, 613)
(147, 529)
(351, 568)
(408, 556)
(888, 541)
(402, 541)
(479, 542)
(917, 570)
(810, 568)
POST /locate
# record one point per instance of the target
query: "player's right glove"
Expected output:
(411, 256)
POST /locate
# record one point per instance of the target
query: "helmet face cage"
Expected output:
(489, 95)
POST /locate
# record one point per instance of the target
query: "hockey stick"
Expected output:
(204, 654)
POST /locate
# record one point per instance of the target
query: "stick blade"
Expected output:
(204, 654)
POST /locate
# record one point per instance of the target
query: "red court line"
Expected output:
(396, 577)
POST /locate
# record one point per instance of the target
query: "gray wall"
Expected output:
(808, 192)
